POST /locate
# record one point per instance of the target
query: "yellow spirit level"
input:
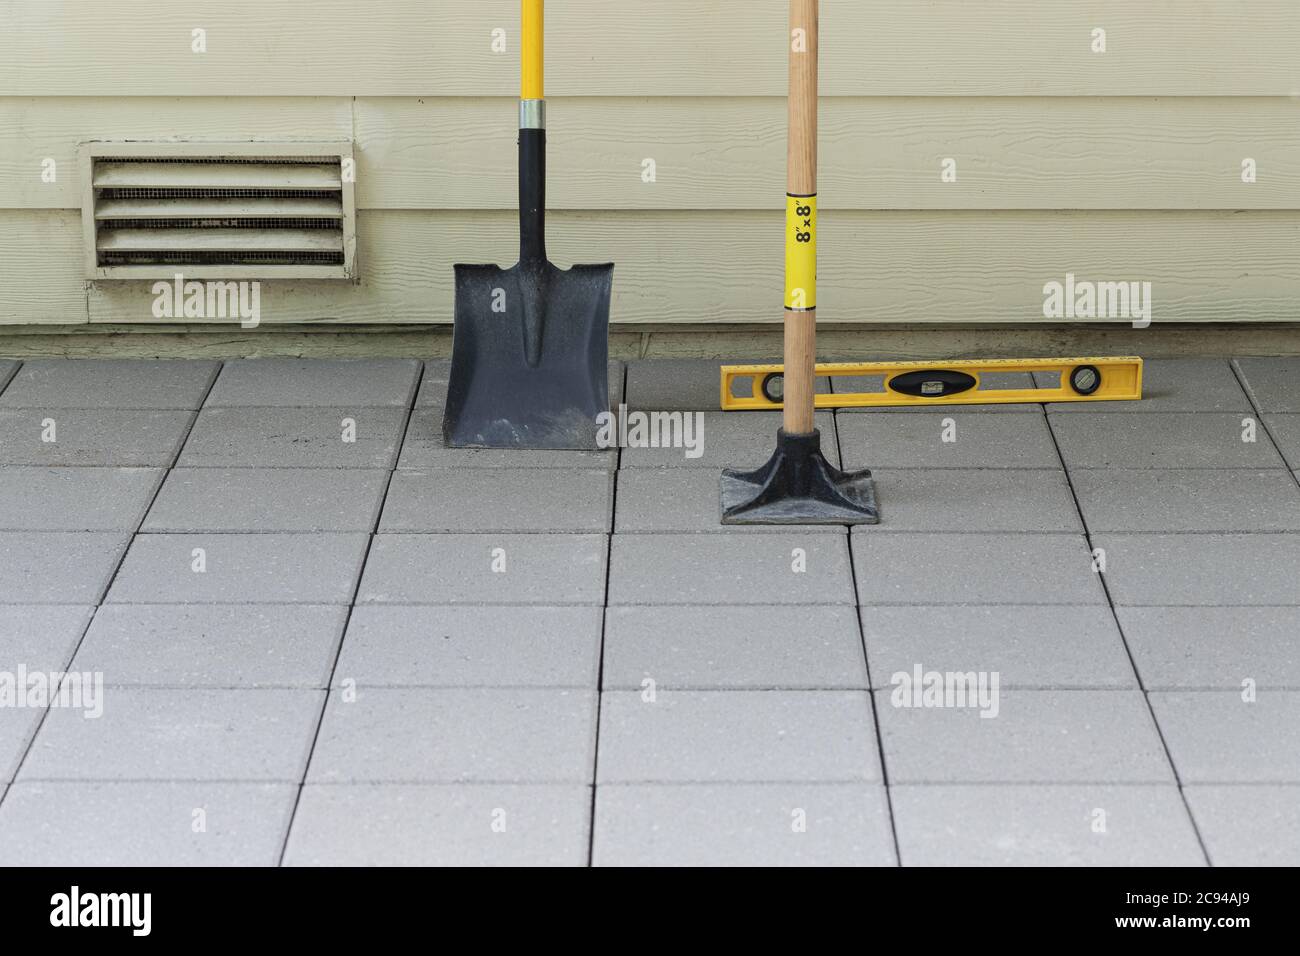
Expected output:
(942, 383)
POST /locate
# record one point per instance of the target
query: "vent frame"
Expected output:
(91, 155)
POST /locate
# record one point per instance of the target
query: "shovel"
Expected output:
(530, 343)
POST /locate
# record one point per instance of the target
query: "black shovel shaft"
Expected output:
(532, 196)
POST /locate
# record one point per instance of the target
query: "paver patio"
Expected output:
(324, 638)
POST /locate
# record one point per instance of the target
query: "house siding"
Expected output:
(1117, 166)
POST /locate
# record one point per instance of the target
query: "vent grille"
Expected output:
(147, 257)
(248, 214)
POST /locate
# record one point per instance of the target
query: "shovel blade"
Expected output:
(529, 364)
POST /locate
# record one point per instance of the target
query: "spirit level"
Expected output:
(945, 383)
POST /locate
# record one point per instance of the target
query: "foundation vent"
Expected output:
(232, 211)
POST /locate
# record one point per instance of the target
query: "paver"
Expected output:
(716, 440)
(191, 734)
(1219, 737)
(736, 736)
(432, 393)
(742, 825)
(1205, 648)
(788, 568)
(240, 569)
(1273, 383)
(845, 384)
(1173, 385)
(7, 369)
(17, 726)
(55, 567)
(452, 735)
(1028, 646)
(1034, 736)
(472, 646)
(501, 500)
(936, 569)
(75, 499)
(751, 646)
(1191, 500)
(681, 499)
(351, 383)
(1285, 432)
(1162, 440)
(485, 569)
(688, 383)
(268, 499)
(680, 384)
(1248, 824)
(40, 637)
(1076, 825)
(109, 383)
(953, 438)
(75, 824)
(424, 448)
(957, 499)
(1201, 569)
(440, 825)
(213, 645)
(91, 436)
(255, 437)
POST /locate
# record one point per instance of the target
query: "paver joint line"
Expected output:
(1155, 721)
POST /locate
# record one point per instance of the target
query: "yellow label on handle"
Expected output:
(801, 252)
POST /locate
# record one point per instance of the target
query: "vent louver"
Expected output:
(247, 210)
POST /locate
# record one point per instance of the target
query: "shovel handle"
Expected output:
(532, 60)
(532, 138)
(801, 221)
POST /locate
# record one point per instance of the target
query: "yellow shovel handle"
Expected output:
(531, 58)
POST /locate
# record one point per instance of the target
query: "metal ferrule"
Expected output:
(532, 114)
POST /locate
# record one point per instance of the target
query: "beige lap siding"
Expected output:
(1117, 166)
